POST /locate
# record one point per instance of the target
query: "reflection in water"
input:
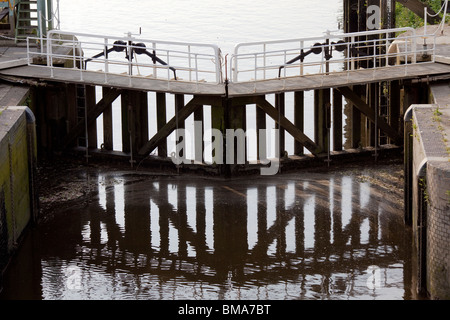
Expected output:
(315, 236)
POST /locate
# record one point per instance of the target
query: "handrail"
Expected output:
(194, 62)
(262, 60)
(368, 49)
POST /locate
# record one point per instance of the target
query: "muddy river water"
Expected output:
(132, 235)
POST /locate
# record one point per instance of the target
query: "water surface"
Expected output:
(337, 235)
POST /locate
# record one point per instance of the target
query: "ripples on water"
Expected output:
(309, 236)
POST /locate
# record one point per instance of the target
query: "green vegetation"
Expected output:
(406, 18)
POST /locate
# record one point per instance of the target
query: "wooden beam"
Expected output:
(337, 120)
(280, 101)
(161, 119)
(369, 112)
(287, 125)
(170, 126)
(92, 126)
(92, 115)
(418, 7)
(299, 118)
(107, 123)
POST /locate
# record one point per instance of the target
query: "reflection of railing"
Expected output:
(193, 62)
(265, 60)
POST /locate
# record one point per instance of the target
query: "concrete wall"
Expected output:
(429, 186)
(17, 201)
(438, 233)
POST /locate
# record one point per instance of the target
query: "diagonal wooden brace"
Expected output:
(92, 115)
(171, 126)
(369, 112)
(298, 135)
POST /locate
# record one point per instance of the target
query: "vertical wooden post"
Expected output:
(372, 100)
(92, 129)
(237, 120)
(72, 111)
(126, 147)
(199, 131)
(161, 119)
(280, 106)
(337, 120)
(321, 117)
(179, 104)
(395, 106)
(135, 119)
(355, 122)
(299, 108)
(261, 139)
(140, 123)
(107, 124)
(218, 123)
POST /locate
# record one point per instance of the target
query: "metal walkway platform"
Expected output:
(254, 69)
(260, 87)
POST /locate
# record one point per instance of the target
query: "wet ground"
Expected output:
(121, 234)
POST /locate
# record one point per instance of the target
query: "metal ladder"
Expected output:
(81, 110)
(27, 23)
(383, 110)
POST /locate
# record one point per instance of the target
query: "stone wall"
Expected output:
(438, 233)
(17, 208)
(430, 196)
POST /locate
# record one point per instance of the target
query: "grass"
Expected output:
(406, 18)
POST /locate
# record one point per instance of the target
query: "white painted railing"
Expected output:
(323, 55)
(256, 61)
(130, 56)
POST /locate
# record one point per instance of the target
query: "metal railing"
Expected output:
(251, 62)
(129, 57)
(266, 60)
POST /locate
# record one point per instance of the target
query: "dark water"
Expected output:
(335, 235)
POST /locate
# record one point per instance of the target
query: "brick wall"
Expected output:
(438, 230)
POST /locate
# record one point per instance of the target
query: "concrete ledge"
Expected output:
(13, 63)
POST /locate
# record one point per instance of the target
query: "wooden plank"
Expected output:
(93, 113)
(107, 123)
(238, 120)
(179, 105)
(161, 118)
(288, 125)
(280, 101)
(140, 112)
(199, 134)
(262, 139)
(369, 112)
(321, 118)
(170, 126)
(337, 120)
(125, 107)
(92, 126)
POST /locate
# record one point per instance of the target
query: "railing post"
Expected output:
(50, 14)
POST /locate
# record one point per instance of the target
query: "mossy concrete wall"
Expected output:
(430, 189)
(16, 194)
